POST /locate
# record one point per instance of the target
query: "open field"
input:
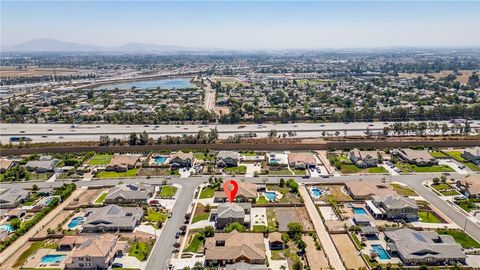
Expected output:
(32, 71)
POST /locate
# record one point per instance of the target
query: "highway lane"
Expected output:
(91, 132)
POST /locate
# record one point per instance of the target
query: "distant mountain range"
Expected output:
(52, 45)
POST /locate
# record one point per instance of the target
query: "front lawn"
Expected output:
(207, 192)
(450, 193)
(155, 216)
(438, 154)
(350, 168)
(100, 159)
(468, 205)
(279, 172)
(457, 155)
(460, 237)
(167, 191)
(105, 174)
(441, 186)
(195, 244)
(404, 190)
(140, 250)
(377, 170)
(427, 217)
(236, 170)
(200, 217)
(299, 172)
(101, 198)
(434, 168)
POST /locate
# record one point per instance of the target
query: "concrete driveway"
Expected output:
(452, 164)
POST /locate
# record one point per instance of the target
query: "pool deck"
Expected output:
(34, 261)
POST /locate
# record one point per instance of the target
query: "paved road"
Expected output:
(162, 251)
(92, 132)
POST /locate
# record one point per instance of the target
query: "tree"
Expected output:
(298, 265)
(292, 185)
(209, 231)
(15, 223)
(282, 182)
(34, 187)
(294, 229)
(144, 138)
(133, 139)
(235, 226)
(104, 140)
(436, 180)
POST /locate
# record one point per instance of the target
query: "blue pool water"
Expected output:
(271, 196)
(359, 211)
(74, 223)
(316, 192)
(7, 227)
(160, 160)
(273, 161)
(382, 254)
(179, 83)
(52, 258)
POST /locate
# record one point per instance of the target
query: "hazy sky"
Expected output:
(245, 25)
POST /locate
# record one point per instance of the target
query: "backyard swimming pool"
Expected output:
(382, 254)
(316, 192)
(74, 222)
(160, 160)
(7, 227)
(52, 258)
(271, 196)
(359, 211)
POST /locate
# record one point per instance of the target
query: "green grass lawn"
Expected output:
(259, 228)
(460, 237)
(377, 170)
(105, 174)
(101, 198)
(100, 159)
(441, 186)
(468, 205)
(200, 217)
(27, 253)
(299, 172)
(237, 170)
(279, 172)
(434, 168)
(356, 241)
(472, 166)
(194, 244)
(457, 155)
(200, 156)
(140, 250)
(438, 154)
(207, 192)
(155, 216)
(167, 191)
(404, 190)
(40, 176)
(428, 217)
(262, 200)
(350, 168)
(450, 193)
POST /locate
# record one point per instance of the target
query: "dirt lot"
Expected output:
(348, 252)
(316, 258)
(88, 196)
(54, 223)
(286, 215)
(32, 71)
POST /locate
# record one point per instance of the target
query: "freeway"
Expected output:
(162, 251)
(92, 132)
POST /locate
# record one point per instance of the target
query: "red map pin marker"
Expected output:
(230, 187)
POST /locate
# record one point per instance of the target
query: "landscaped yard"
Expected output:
(438, 154)
(140, 250)
(427, 217)
(468, 205)
(155, 216)
(101, 198)
(201, 213)
(105, 174)
(377, 170)
(406, 167)
(441, 186)
(279, 172)
(337, 194)
(404, 190)
(207, 192)
(167, 191)
(236, 170)
(462, 238)
(350, 168)
(457, 155)
(299, 172)
(100, 159)
(195, 244)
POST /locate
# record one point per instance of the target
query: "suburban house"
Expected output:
(364, 190)
(182, 160)
(129, 193)
(12, 197)
(235, 247)
(469, 186)
(227, 159)
(275, 241)
(5, 164)
(364, 159)
(417, 157)
(472, 155)
(41, 166)
(112, 218)
(228, 213)
(302, 160)
(424, 247)
(92, 252)
(247, 192)
(123, 163)
(394, 206)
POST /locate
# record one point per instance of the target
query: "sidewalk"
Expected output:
(323, 235)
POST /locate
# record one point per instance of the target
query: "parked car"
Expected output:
(117, 265)
(177, 235)
(170, 214)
